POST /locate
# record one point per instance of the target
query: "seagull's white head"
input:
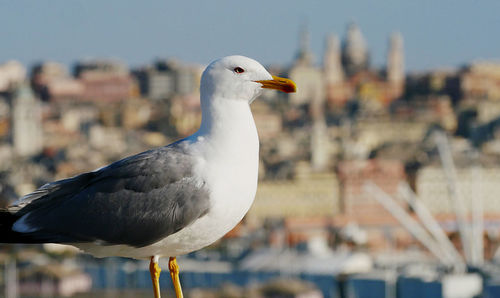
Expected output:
(239, 78)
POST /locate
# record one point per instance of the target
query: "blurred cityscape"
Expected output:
(374, 182)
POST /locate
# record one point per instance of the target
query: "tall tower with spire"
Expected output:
(306, 74)
(354, 51)
(395, 59)
(395, 64)
(26, 122)
(305, 56)
(332, 62)
(312, 94)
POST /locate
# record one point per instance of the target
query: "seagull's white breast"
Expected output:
(232, 183)
(230, 168)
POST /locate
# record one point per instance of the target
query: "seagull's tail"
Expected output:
(7, 235)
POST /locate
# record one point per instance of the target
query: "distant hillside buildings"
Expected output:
(348, 123)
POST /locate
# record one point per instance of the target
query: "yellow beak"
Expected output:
(281, 84)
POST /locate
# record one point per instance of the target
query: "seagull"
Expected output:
(163, 202)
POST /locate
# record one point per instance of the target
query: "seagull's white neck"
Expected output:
(229, 119)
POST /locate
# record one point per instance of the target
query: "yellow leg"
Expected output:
(155, 270)
(174, 273)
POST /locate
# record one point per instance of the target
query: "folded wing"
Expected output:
(135, 201)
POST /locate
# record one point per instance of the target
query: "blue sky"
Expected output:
(437, 33)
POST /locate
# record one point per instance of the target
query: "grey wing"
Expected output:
(136, 201)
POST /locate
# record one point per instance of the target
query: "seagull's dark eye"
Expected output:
(238, 70)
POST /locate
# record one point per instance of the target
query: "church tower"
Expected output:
(305, 56)
(354, 51)
(306, 75)
(332, 62)
(395, 59)
(26, 122)
(395, 65)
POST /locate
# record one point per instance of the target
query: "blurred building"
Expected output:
(395, 72)
(359, 206)
(12, 73)
(355, 56)
(105, 80)
(51, 81)
(157, 81)
(311, 196)
(474, 183)
(166, 78)
(101, 81)
(27, 134)
(335, 89)
(372, 133)
(481, 81)
(438, 82)
(306, 75)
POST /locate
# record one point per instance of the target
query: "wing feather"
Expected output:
(136, 201)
